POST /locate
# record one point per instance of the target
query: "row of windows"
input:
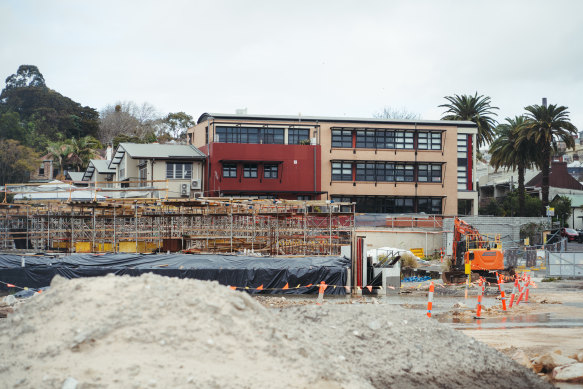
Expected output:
(250, 170)
(386, 172)
(387, 139)
(261, 135)
(381, 204)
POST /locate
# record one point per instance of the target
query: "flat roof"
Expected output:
(299, 119)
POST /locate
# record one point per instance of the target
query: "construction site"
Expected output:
(148, 276)
(210, 225)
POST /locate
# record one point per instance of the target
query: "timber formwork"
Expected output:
(213, 225)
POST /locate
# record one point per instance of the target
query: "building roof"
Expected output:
(559, 177)
(76, 176)
(156, 151)
(99, 165)
(297, 118)
(576, 199)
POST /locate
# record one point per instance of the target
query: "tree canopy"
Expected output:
(476, 109)
(43, 113)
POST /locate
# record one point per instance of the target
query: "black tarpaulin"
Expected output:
(244, 272)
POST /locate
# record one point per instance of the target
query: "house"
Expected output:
(47, 170)
(382, 165)
(560, 181)
(99, 174)
(172, 170)
(576, 219)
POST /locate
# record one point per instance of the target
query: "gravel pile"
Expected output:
(154, 331)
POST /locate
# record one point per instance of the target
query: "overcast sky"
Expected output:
(322, 58)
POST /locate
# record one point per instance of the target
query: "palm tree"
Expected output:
(83, 150)
(510, 151)
(545, 126)
(473, 108)
(60, 152)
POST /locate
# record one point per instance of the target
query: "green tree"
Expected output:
(545, 126)
(11, 128)
(82, 151)
(27, 76)
(492, 208)
(508, 153)
(476, 109)
(177, 124)
(60, 151)
(562, 205)
(50, 112)
(16, 162)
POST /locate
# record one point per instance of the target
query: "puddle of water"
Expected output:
(518, 321)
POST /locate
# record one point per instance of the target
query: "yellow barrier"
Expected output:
(418, 252)
(82, 247)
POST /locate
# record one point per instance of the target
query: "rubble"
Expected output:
(153, 331)
(572, 372)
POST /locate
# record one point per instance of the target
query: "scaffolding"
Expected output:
(209, 225)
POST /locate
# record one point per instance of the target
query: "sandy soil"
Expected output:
(153, 331)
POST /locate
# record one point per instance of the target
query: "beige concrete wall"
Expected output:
(448, 156)
(402, 238)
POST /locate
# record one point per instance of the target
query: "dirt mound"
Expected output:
(155, 331)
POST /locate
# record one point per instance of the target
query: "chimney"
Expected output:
(109, 153)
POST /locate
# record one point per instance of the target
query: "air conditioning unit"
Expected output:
(184, 190)
(195, 184)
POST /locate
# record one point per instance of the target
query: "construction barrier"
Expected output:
(479, 304)
(501, 290)
(321, 292)
(430, 299)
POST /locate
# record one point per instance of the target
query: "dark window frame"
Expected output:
(250, 170)
(271, 171)
(229, 170)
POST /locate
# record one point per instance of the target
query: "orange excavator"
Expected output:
(475, 254)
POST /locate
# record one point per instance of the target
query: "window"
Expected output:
(430, 205)
(403, 205)
(427, 172)
(404, 140)
(404, 173)
(179, 170)
(366, 171)
(122, 173)
(462, 177)
(250, 170)
(229, 170)
(143, 173)
(41, 170)
(341, 171)
(295, 136)
(365, 139)
(271, 136)
(462, 162)
(429, 140)
(270, 171)
(383, 137)
(304, 197)
(249, 135)
(342, 138)
(206, 136)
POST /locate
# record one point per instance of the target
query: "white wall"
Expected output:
(402, 238)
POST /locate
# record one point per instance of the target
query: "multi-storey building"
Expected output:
(385, 166)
